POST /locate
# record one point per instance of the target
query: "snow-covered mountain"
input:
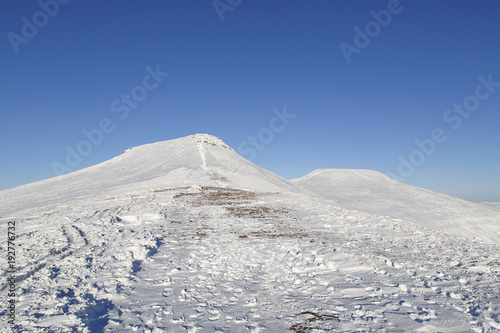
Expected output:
(196, 159)
(188, 236)
(375, 193)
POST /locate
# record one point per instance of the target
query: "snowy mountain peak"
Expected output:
(209, 140)
(199, 159)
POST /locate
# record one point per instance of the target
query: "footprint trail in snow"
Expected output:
(208, 259)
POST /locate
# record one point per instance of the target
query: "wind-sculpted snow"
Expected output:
(209, 252)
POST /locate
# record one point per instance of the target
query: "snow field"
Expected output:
(227, 260)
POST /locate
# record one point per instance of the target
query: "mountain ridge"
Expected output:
(187, 235)
(205, 160)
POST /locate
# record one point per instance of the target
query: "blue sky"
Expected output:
(233, 65)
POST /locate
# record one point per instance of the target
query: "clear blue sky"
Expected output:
(230, 67)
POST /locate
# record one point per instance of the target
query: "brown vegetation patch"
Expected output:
(220, 196)
(275, 234)
(259, 212)
(170, 189)
(306, 326)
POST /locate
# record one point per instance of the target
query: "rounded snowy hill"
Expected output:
(199, 159)
(376, 193)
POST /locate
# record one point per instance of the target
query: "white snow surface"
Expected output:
(188, 236)
(376, 193)
(492, 205)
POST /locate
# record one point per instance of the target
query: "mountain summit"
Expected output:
(199, 159)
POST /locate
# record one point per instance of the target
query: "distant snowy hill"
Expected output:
(375, 193)
(188, 236)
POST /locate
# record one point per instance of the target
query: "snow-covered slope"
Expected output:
(188, 236)
(197, 159)
(492, 205)
(375, 193)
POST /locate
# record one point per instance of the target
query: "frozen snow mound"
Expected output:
(376, 193)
